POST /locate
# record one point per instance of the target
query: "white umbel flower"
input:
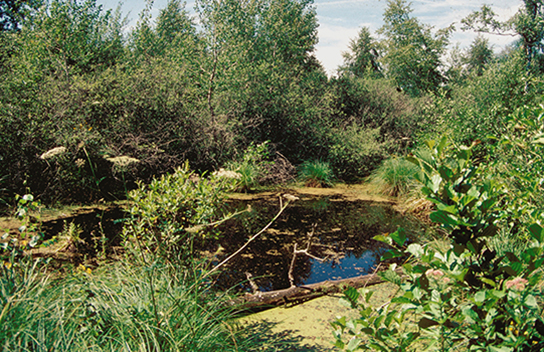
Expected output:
(52, 153)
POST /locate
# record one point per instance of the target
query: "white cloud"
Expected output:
(332, 41)
(343, 2)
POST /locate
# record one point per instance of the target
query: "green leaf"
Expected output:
(399, 236)
(413, 160)
(530, 301)
(353, 344)
(352, 296)
(415, 249)
(489, 231)
(430, 143)
(479, 296)
(425, 323)
(470, 314)
(445, 172)
(517, 267)
(403, 300)
(444, 218)
(489, 282)
(536, 232)
(443, 143)
(339, 344)
(392, 254)
(434, 183)
(452, 209)
(383, 238)
(464, 153)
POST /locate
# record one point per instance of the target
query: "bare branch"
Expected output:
(282, 208)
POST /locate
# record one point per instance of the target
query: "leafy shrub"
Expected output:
(167, 214)
(316, 173)
(355, 152)
(481, 106)
(252, 168)
(376, 103)
(468, 296)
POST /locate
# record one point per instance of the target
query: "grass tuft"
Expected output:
(394, 177)
(120, 307)
(315, 173)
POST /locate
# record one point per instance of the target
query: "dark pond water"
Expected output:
(334, 227)
(342, 236)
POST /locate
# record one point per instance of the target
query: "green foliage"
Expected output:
(166, 92)
(481, 106)
(411, 52)
(527, 23)
(13, 13)
(115, 308)
(480, 54)
(28, 213)
(468, 296)
(252, 168)
(394, 177)
(516, 159)
(372, 120)
(169, 213)
(362, 58)
(316, 173)
(355, 151)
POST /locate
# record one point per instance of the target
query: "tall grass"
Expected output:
(115, 309)
(394, 177)
(315, 173)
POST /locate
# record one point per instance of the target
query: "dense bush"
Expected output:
(472, 295)
(478, 107)
(372, 120)
(170, 212)
(355, 151)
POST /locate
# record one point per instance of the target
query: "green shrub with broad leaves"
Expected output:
(468, 297)
(169, 213)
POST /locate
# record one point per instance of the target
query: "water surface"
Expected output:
(334, 227)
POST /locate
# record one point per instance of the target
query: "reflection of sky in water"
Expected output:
(344, 268)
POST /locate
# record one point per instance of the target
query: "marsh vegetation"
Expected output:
(156, 125)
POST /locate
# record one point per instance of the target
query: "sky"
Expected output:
(340, 20)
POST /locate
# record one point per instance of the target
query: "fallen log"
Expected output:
(299, 294)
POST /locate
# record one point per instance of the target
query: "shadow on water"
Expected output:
(341, 228)
(99, 229)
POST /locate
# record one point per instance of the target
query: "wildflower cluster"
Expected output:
(84, 269)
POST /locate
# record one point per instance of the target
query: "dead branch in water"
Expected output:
(303, 251)
(299, 294)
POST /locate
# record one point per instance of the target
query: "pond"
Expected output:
(334, 228)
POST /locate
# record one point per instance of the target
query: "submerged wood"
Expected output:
(299, 294)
